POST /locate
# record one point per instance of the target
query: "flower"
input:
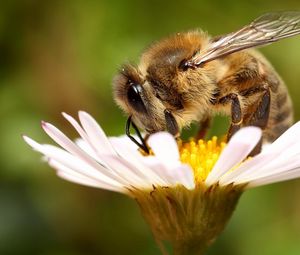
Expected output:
(112, 163)
(186, 192)
(116, 164)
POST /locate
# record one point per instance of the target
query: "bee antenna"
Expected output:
(141, 145)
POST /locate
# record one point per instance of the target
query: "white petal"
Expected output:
(75, 124)
(185, 176)
(155, 172)
(165, 148)
(290, 151)
(124, 147)
(159, 170)
(279, 177)
(99, 173)
(277, 157)
(266, 163)
(247, 167)
(75, 179)
(138, 161)
(181, 174)
(288, 138)
(95, 133)
(280, 167)
(70, 174)
(86, 144)
(62, 168)
(82, 144)
(239, 146)
(128, 172)
(70, 146)
(113, 164)
(125, 141)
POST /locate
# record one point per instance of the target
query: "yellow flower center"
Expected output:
(201, 155)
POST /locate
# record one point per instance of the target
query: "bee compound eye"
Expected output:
(134, 97)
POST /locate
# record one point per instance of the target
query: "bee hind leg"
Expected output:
(260, 117)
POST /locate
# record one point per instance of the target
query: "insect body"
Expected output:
(190, 77)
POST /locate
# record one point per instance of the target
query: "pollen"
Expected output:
(201, 155)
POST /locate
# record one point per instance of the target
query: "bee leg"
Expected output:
(204, 126)
(236, 115)
(171, 124)
(260, 117)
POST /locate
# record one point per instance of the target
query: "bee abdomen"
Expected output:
(281, 114)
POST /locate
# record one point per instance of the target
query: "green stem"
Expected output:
(189, 249)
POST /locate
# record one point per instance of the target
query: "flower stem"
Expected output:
(189, 249)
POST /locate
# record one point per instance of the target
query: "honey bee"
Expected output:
(190, 77)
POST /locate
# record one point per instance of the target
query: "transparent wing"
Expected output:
(266, 29)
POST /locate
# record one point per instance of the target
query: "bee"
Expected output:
(190, 77)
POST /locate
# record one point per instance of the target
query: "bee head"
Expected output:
(139, 101)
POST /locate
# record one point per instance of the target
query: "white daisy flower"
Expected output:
(186, 191)
(112, 163)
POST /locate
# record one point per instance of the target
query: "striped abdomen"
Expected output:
(281, 112)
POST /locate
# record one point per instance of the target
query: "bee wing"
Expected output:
(266, 29)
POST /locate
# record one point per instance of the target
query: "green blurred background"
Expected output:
(61, 56)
